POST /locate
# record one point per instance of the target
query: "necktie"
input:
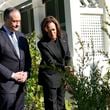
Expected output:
(15, 43)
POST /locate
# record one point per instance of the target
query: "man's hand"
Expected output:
(20, 76)
(25, 75)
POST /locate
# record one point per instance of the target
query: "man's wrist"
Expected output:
(13, 76)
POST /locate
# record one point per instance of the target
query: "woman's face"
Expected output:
(52, 31)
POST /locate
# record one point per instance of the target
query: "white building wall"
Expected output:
(107, 18)
(72, 18)
(11, 3)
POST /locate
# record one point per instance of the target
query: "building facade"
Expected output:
(84, 17)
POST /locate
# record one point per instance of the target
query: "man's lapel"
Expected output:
(8, 41)
(6, 37)
(21, 52)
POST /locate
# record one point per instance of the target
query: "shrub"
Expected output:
(34, 96)
(88, 92)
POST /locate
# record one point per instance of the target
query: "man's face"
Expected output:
(14, 21)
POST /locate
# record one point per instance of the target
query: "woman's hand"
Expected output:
(69, 69)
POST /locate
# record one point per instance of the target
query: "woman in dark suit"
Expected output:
(55, 57)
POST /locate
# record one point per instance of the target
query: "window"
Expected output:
(27, 20)
(56, 8)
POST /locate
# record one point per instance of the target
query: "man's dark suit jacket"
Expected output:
(52, 62)
(9, 61)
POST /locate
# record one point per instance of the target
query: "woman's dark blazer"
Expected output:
(52, 65)
(9, 61)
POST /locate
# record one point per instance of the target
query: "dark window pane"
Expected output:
(56, 8)
(32, 20)
(61, 11)
(27, 19)
(24, 22)
(50, 8)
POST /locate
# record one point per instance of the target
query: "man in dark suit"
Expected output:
(55, 58)
(15, 62)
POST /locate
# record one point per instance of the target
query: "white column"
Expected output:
(39, 14)
(72, 18)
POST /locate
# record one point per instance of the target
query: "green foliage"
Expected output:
(34, 96)
(88, 92)
(68, 104)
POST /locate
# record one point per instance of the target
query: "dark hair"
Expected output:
(45, 22)
(8, 11)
